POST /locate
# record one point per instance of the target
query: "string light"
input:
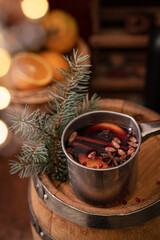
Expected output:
(3, 132)
(5, 98)
(34, 9)
(5, 62)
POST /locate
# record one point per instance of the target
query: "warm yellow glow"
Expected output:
(3, 132)
(5, 98)
(5, 62)
(34, 9)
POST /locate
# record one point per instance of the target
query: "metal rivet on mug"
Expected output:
(45, 197)
(42, 234)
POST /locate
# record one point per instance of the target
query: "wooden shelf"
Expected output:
(119, 47)
(122, 84)
(118, 38)
(119, 13)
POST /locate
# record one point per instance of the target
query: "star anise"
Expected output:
(105, 134)
(111, 159)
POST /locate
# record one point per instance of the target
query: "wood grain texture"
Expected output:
(148, 191)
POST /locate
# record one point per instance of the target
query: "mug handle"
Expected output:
(149, 129)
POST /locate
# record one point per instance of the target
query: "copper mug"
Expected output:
(105, 186)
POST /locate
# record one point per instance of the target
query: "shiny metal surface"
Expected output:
(102, 186)
(34, 221)
(149, 129)
(90, 220)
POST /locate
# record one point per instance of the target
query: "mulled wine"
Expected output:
(102, 145)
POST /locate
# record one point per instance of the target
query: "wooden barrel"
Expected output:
(56, 213)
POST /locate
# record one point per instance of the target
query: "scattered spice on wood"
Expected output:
(138, 199)
(124, 202)
(158, 182)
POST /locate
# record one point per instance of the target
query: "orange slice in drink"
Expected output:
(30, 71)
(110, 126)
(95, 162)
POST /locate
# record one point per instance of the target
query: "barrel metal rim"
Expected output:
(34, 221)
(91, 220)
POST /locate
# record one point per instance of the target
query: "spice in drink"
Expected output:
(102, 145)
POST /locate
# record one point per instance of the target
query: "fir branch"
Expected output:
(89, 105)
(32, 159)
(29, 126)
(42, 151)
(73, 93)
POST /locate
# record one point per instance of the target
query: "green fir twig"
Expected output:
(41, 132)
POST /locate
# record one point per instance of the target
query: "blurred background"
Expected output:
(123, 40)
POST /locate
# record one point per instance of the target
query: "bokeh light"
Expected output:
(5, 62)
(3, 132)
(34, 9)
(5, 98)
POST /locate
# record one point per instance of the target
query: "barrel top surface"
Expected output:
(147, 192)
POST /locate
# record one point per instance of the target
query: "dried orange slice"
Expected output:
(56, 61)
(29, 71)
